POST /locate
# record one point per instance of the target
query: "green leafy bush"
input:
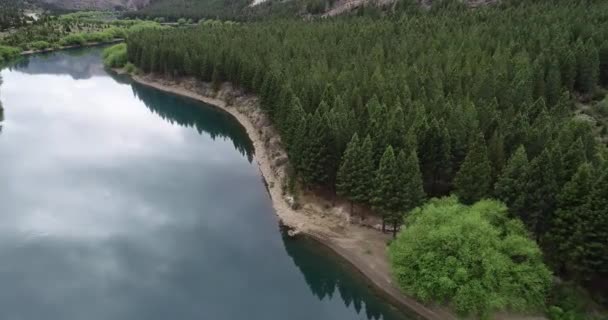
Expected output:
(117, 33)
(130, 68)
(7, 53)
(97, 36)
(73, 39)
(38, 45)
(115, 56)
(473, 257)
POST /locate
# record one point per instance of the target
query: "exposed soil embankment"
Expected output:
(363, 247)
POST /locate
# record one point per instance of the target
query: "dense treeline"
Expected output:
(11, 13)
(193, 9)
(51, 32)
(473, 102)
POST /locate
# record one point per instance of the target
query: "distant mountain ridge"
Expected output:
(96, 4)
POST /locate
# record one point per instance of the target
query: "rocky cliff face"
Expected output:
(97, 4)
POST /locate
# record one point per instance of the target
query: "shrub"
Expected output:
(38, 45)
(117, 33)
(130, 68)
(115, 56)
(7, 53)
(473, 257)
(73, 39)
(97, 36)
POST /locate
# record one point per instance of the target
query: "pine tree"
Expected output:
(553, 84)
(317, 159)
(540, 194)
(474, 179)
(511, 183)
(364, 181)
(348, 171)
(436, 159)
(567, 66)
(496, 153)
(411, 180)
(216, 80)
(587, 67)
(572, 158)
(561, 238)
(387, 189)
(593, 253)
(603, 54)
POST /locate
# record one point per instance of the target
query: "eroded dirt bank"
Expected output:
(363, 247)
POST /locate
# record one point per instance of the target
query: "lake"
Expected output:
(118, 201)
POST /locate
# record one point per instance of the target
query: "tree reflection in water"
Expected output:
(335, 276)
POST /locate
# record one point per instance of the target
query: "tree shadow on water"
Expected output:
(187, 112)
(330, 277)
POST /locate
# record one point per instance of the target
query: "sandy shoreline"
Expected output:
(363, 248)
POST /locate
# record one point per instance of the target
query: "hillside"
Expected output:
(94, 4)
(248, 9)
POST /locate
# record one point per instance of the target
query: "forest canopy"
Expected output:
(481, 102)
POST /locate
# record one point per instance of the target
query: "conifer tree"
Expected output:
(568, 69)
(364, 181)
(604, 64)
(349, 169)
(496, 153)
(474, 179)
(540, 194)
(572, 159)
(553, 84)
(317, 159)
(593, 253)
(562, 237)
(587, 67)
(435, 158)
(387, 189)
(511, 183)
(411, 180)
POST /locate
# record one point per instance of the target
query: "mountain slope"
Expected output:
(95, 4)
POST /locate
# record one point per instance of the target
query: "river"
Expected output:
(118, 201)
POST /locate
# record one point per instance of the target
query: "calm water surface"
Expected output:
(118, 201)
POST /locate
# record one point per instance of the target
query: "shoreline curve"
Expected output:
(343, 244)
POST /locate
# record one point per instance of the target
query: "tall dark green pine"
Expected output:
(317, 159)
(567, 67)
(348, 171)
(378, 127)
(509, 187)
(572, 158)
(295, 118)
(435, 158)
(540, 194)
(604, 64)
(474, 179)
(588, 64)
(563, 238)
(593, 253)
(387, 189)
(496, 153)
(216, 80)
(364, 180)
(553, 85)
(411, 180)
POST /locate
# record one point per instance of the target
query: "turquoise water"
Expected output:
(118, 201)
